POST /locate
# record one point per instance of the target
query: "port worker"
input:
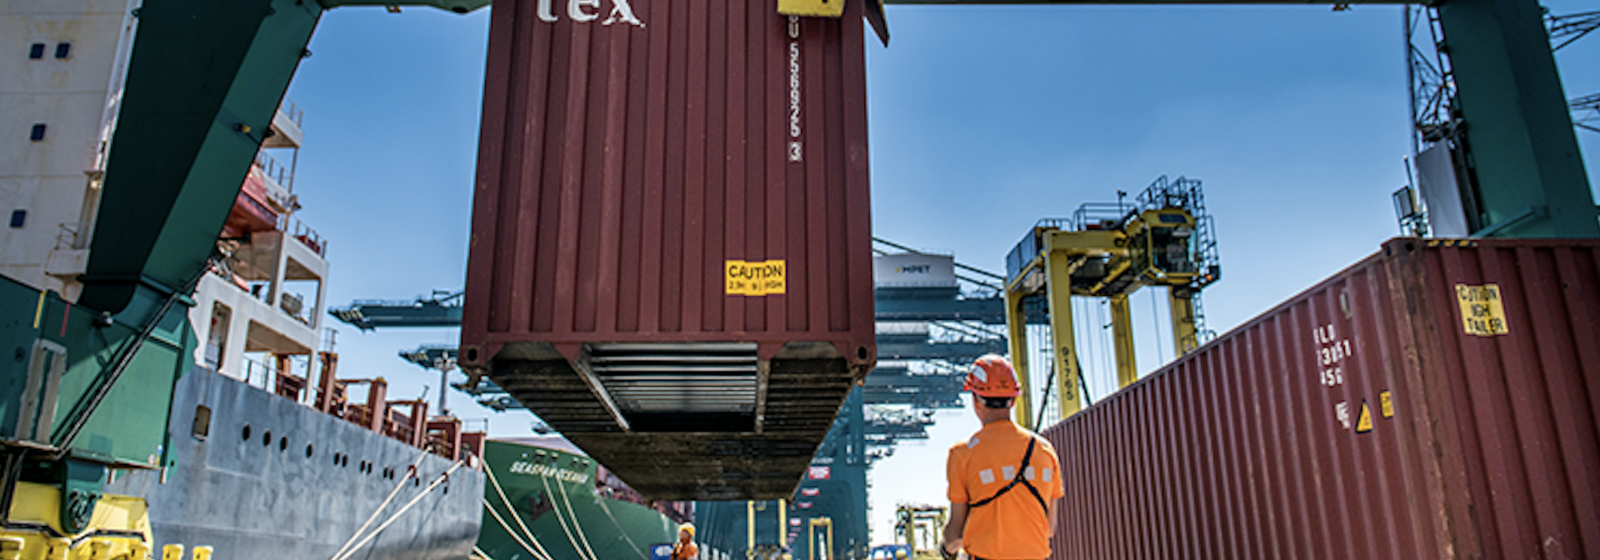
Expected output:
(685, 549)
(1003, 482)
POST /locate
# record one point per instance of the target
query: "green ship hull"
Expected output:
(570, 507)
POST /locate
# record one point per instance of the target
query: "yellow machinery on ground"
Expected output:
(119, 528)
(1111, 250)
(922, 528)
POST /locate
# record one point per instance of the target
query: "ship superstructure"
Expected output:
(258, 311)
(204, 414)
(65, 92)
(264, 424)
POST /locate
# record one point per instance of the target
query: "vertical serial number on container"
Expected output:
(1331, 351)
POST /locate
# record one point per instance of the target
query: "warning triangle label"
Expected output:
(1364, 422)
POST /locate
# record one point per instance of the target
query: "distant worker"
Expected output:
(1004, 482)
(685, 549)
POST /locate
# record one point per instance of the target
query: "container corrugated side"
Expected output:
(629, 166)
(1392, 411)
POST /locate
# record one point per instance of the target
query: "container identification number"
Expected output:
(795, 149)
(1330, 352)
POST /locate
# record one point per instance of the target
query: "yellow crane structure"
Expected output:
(1111, 250)
(912, 521)
(812, 528)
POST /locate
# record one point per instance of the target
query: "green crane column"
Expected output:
(1522, 149)
(204, 82)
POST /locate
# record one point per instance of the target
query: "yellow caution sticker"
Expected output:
(813, 8)
(1482, 314)
(1386, 404)
(1364, 422)
(755, 278)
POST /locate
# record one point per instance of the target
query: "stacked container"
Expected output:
(1436, 400)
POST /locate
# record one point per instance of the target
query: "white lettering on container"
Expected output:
(1332, 350)
(575, 10)
(795, 151)
(621, 11)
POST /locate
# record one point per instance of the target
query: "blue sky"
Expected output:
(983, 120)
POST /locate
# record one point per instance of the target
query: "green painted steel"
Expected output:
(1522, 146)
(129, 426)
(541, 484)
(203, 84)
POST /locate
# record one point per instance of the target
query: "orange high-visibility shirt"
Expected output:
(1013, 527)
(685, 551)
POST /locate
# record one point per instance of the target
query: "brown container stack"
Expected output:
(1436, 400)
(671, 252)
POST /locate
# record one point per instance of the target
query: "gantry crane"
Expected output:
(1110, 250)
(922, 527)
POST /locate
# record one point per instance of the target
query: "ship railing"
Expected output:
(267, 377)
(259, 375)
(72, 236)
(274, 170)
(304, 234)
(295, 113)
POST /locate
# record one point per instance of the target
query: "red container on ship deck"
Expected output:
(1436, 400)
(671, 244)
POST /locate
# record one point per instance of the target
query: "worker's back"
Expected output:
(1014, 525)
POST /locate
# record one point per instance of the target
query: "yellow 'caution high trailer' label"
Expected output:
(1482, 314)
(811, 8)
(756, 278)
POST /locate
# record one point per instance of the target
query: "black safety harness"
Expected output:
(1021, 478)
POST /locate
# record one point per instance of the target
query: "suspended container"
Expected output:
(671, 245)
(1436, 400)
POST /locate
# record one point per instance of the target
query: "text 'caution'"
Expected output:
(755, 278)
(1482, 314)
(814, 8)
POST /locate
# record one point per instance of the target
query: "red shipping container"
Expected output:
(671, 251)
(1436, 400)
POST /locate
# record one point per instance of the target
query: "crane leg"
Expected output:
(1184, 336)
(1017, 324)
(1122, 339)
(1063, 338)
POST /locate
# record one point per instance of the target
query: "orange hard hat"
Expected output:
(992, 376)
